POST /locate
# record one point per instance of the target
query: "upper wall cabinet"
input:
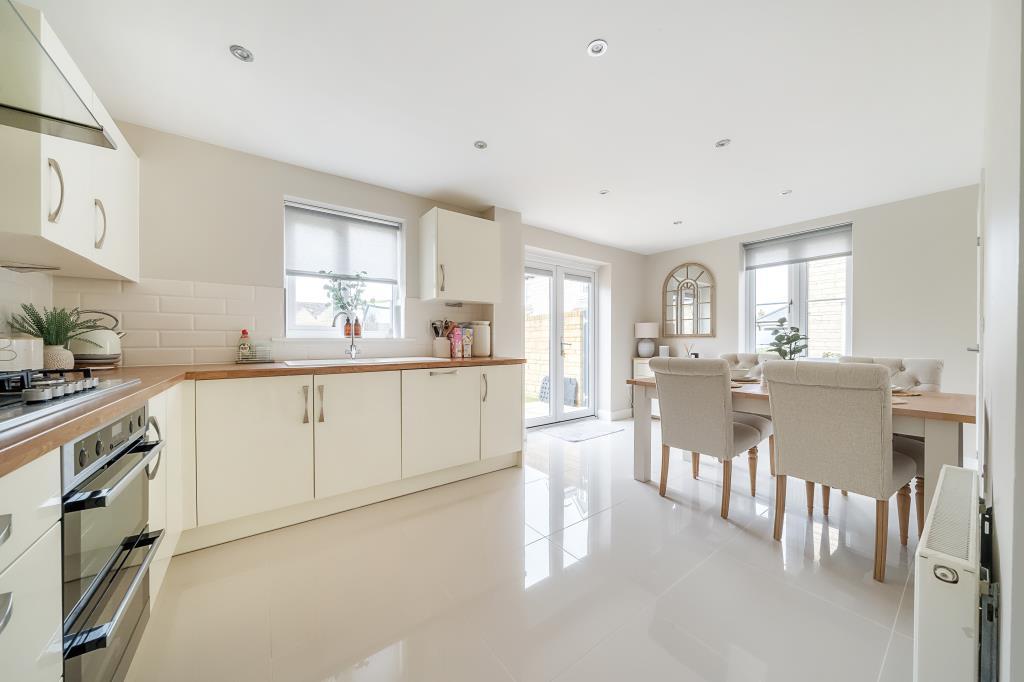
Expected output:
(67, 204)
(460, 257)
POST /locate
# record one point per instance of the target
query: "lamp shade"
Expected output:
(646, 330)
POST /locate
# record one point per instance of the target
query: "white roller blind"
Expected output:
(319, 240)
(828, 242)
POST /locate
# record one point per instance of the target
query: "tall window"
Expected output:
(804, 278)
(325, 247)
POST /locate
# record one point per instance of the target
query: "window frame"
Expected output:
(292, 331)
(798, 308)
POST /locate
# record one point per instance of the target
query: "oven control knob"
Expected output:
(83, 457)
(99, 448)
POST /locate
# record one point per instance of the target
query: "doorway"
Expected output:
(560, 333)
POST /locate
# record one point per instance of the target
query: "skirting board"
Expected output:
(614, 416)
(235, 529)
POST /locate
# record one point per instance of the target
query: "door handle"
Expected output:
(320, 390)
(305, 402)
(444, 277)
(487, 388)
(6, 523)
(54, 215)
(103, 212)
(974, 349)
(6, 609)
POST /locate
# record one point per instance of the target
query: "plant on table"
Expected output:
(787, 340)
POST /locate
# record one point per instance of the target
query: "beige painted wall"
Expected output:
(914, 281)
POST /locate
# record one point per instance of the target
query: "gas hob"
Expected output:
(32, 394)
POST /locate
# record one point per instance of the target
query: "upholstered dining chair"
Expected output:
(742, 365)
(696, 415)
(922, 375)
(833, 426)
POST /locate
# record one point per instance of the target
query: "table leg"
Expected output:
(642, 433)
(943, 444)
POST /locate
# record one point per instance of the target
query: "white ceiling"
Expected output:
(849, 104)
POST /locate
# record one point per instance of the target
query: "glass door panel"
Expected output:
(539, 304)
(575, 344)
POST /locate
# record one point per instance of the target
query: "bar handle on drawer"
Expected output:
(320, 390)
(6, 523)
(6, 609)
(305, 401)
(447, 371)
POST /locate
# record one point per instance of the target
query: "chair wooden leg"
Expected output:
(780, 505)
(752, 461)
(903, 507)
(919, 503)
(810, 497)
(726, 486)
(826, 493)
(771, 454)
(663, 487)
(695, 463)
(881, 537)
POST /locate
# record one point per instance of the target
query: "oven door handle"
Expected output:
(99, 636)
(102, 498)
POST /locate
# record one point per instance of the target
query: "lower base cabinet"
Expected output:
(254, 445)
(501, 411)
(30, 592)
(357, 431)
(440, 418)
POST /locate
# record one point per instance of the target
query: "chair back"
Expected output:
(747, 364)
(695, 399)
(920, 374)
(833, 424)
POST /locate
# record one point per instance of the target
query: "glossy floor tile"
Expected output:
(563, 569)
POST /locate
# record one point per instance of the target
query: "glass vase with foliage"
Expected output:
(348, 294)
(787, 340)
(55, 326)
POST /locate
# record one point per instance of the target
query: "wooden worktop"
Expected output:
(955, 407)
(22, 444)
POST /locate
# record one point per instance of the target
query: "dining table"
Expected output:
(937, 417)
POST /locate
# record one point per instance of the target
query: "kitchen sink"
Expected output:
(358, 361)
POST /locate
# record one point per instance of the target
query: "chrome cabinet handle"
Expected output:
(447, 371)
(974, 349)
(102, 498)
(54, 215)
(103, 211)
(6, 523)
(305, 400)
(151, 473)
(444, 277)
(6, 609)
(487, 388)
(320, 390)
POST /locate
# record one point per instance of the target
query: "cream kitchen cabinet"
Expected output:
(254, 445)
(29, 504)
(460, 257)
(67, 204)
(357, 431)
(501, 410)
(440, 418)
(30, 605)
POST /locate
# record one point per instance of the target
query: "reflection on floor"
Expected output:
(565, 569)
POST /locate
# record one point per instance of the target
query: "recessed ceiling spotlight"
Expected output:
(724, 142)
(785, 192)
(480, 144)
(603, 192)
(241, 53)
(677, 222)
(597, 47)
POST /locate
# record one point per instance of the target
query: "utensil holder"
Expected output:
(442, 348)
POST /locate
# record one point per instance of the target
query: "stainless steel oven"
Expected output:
(107, 546)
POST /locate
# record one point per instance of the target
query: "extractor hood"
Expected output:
(34, 94)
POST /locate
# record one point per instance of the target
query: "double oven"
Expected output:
(107, 545)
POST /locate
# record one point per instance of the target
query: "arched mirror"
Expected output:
(688, 302)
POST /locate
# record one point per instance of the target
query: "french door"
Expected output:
(560, 343)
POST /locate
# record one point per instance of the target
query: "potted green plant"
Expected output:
(347, 294)
(787, 341)
(55, 327)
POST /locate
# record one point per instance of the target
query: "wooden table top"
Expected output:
(954, 407)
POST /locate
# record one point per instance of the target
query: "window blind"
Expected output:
(342, 243)
(829, 242)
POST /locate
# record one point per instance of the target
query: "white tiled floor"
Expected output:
(565, 569)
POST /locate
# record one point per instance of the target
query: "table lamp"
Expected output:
(647, 332)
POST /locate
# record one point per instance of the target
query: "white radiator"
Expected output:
(946, 582)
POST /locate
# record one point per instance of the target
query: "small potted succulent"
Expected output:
(56, 327)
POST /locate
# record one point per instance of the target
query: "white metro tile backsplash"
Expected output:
(15, 289)
(172, 322)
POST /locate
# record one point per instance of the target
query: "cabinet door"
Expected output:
(501, 410)
(30, 591)
(159, 500)
(468, 258)
(254, 445)
(115, 200)
(29, 504)
(67, 212)
(357, 431)
(440, 419)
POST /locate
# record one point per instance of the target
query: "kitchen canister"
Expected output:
(481, 338)
(442, 347)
